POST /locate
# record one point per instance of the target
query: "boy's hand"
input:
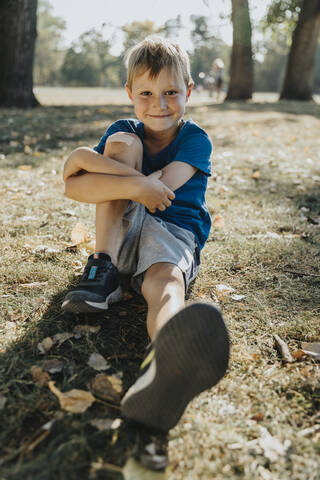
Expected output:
(153, 193)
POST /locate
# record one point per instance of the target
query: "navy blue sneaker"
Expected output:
(190, 354)
(99, 286)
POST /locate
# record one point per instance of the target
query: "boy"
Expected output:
(148, 179)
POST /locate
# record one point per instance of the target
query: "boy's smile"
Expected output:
(159, 102)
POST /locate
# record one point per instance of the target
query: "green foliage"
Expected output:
(88, 61)
(282, 15)
(49, 53)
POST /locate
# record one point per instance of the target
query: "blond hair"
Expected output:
(155, 53)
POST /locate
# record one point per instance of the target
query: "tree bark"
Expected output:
(18, 20)
(241, 70)
(299, 74)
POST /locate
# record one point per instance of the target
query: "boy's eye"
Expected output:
(146, 93)
(171, 92)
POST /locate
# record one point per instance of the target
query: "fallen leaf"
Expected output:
(3, 401)
(218, 221)
(46, 344)
(74, 401)
(59, 338)
(24, 168)
(45, 249)
(134, 470)
(258, 417)
(97, 362)
(32, 285)
(221, 288)
(237, 298)
(53, 365)
(106, 423)
(283, 349)
(298, 354)
(311, 349)
(40, 377)
(81, 330)
(255, 175)
(80, 234)
(107, 387)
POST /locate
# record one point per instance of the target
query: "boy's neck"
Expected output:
(164, 137)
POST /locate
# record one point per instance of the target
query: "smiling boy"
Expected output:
(148, 178)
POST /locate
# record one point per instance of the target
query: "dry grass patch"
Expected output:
(262, 421)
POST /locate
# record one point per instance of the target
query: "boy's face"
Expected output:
(160, 102)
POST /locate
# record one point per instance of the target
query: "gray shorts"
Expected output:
(145, 240)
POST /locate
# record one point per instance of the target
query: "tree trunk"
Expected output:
(18, 20)
(299, 74)
(241, 71)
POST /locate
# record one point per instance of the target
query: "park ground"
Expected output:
(262, 421)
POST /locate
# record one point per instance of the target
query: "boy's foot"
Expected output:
(99, 286)
(190, 354)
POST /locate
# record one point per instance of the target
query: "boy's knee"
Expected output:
(125, 147)
(161, 277)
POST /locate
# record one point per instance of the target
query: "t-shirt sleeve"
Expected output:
(196, 150)
(119, 126)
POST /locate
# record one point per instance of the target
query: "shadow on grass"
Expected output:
(46, 128)
(72, 448)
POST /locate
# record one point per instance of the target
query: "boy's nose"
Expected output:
(160, 102)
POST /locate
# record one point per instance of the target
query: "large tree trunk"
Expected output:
(18, 20)
(241, 72)
(298, 79)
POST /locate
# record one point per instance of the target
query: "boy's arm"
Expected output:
(86, 159)
(99, 188)
(177, 174)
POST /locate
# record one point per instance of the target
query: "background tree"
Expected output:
(49, 53)
(18, 34)
(299, 74)
(241, 71)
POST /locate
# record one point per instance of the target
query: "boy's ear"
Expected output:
(128, 92)
(190, 87)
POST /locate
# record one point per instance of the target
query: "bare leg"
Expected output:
(164, 291)
(109, 214)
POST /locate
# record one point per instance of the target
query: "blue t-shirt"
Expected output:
(193, 146)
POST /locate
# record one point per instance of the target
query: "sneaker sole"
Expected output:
(191, 355)
(78, 302)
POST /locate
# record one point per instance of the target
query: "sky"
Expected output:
(82, 15)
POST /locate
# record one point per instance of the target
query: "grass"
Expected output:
(266, 186)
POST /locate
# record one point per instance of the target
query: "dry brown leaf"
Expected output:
(283, 349)
(53, 365)
(24, 168)
(298, 354)
(81, 330)
(218, 221)
(256, 174)
(59, 338)
(39, 376)
(74, 401)
(46, 344)
(107, 387)
(80, 234)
